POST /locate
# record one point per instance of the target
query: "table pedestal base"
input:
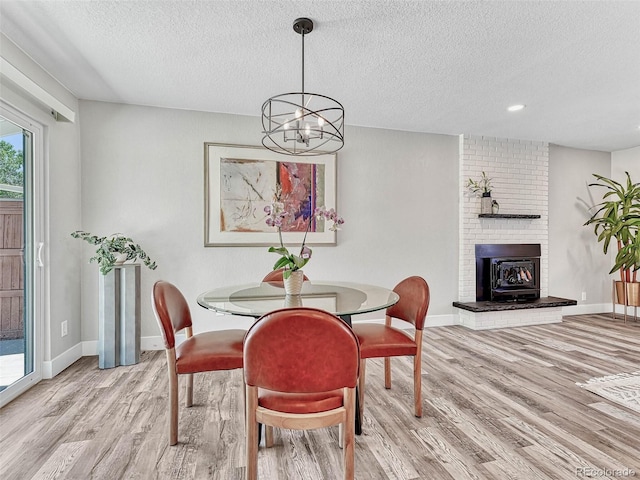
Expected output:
(358, 428)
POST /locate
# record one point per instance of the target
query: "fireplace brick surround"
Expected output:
(519, 170)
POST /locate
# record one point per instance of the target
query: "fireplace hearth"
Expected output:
(508, 272)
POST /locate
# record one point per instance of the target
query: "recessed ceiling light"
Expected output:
(515, 108)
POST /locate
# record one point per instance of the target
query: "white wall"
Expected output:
(142, 174)
(626, 161)
(576, 261)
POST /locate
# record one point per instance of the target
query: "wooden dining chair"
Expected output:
(301, 371)
(203, 352)
(384, 340)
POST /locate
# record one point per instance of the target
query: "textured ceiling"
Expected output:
(440, 67)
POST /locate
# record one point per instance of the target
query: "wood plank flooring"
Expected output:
(499, 404)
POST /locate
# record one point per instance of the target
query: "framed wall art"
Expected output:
(240, 181)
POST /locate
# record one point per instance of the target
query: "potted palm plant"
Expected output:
(617, 219)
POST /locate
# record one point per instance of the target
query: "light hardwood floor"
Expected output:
(498, 404)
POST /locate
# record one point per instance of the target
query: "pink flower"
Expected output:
(276, 214)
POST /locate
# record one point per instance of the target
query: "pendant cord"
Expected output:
(302, 103)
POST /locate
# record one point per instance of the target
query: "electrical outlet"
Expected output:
(64, 329)
(584, 296)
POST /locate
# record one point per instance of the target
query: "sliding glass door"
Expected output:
(20, 276)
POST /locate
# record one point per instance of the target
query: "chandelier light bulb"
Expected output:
(298, 113)
(320, 122)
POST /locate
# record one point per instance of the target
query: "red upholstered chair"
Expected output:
(204, 352)
(275, 276)
(377, 340)
(301, 371)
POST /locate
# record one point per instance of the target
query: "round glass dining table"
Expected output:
(343, 299)
(340, 298)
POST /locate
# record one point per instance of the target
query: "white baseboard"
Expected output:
(157, 342)
(53, 367)
(431, 321)
(90, 347)
(595, 308)
(620, 310)
(586, 309)
(442, 320)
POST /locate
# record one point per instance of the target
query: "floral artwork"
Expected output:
(248, 186)
(242, 181)
(300, 192)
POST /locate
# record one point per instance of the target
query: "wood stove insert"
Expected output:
(508, 272)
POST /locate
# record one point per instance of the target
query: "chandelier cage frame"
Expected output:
(292, 127)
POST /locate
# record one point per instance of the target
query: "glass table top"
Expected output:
(339, 298)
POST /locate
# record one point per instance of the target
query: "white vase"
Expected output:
(291, 301)
(120, 258)
(485, 203)
(293, 284)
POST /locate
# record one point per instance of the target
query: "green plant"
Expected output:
(108, 248)
(617, 218)
(479, 186)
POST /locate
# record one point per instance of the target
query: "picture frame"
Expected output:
(241, 180)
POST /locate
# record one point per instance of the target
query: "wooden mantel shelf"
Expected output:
(507, 215)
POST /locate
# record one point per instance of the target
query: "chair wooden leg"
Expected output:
(349, 434)
(361, 380)
(251, 438)
(417, 386)
(189, 390)
(173, 397)
(341, 435)
(387, 372)
(268, 436)
(417, 376)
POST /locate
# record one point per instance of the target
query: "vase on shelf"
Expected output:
(485, 203)
(495, 207)
(293, 284)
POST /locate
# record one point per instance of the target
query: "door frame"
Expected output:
(35, 243)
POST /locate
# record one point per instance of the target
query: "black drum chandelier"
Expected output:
(302, 123)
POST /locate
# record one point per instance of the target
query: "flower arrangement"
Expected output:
(276, 215)
(480, 187)
(113, 250)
